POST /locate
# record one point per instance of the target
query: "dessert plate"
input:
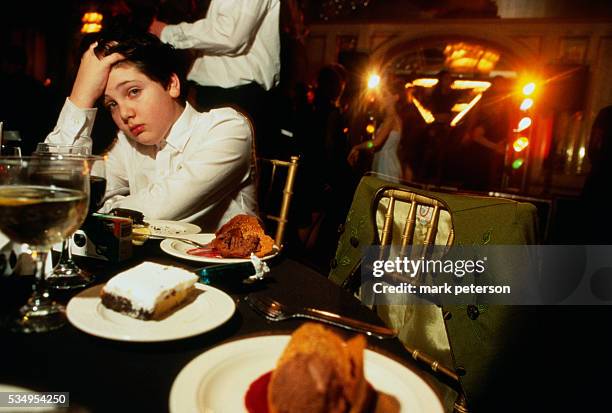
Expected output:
(160, 228)
(211, 308)
(217, 380)
(179, 249)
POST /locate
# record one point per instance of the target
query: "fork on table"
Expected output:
(276, 311)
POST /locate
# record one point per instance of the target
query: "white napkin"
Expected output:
(261, 268)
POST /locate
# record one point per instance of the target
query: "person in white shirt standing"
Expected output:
(238, 63)
(169, 161)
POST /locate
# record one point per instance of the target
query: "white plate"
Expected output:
(161, 228)
(217, 380)
(179, 249)
(209, 310)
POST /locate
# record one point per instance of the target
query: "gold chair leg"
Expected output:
(460, 405)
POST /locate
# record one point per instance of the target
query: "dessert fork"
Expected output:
(276, 311)
(187, 241)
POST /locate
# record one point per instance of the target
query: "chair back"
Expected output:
(478, 342)
(276, 180)
(426, 206)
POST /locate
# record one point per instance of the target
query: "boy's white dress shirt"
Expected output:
(203, 172)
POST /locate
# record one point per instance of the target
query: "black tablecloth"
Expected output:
(105, 375)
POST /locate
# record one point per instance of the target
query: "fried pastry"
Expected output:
(320, 373)
(241, 236)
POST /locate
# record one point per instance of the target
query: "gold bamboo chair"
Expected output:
(275, 174)
(412, 202)
(404, 222)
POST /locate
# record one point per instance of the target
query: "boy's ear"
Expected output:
(174, 86)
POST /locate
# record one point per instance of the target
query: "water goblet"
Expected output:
(66, 274)
(42, 201)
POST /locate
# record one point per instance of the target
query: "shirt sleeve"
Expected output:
(220, 163)
(73, 126)
(228, 29)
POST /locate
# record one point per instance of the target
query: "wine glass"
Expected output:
(42, 201)
(97, 182)
(67, 274)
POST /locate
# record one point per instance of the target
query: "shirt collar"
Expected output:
(181, 130)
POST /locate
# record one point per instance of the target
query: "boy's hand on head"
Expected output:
(92, 77)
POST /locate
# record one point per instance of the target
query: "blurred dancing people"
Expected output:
(483, 144)
(325, 181)
(386, 140)
(441, 101)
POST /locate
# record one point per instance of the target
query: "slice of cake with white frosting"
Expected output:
(148, 291)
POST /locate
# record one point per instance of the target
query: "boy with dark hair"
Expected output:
(169, 161)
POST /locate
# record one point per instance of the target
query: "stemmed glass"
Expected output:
(97, 182)
(42, 201)
(67, 274)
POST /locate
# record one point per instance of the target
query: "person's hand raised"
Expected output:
(92, 77)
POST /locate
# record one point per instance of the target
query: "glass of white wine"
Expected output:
(66, 274)
(42, 201)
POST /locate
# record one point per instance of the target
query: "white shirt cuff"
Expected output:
(76, 122)
(173, 35)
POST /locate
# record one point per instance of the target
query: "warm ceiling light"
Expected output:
(523, 124)
(373, 81)
(91, 28)
(465, 110)
(485, 66)
(92, 17)
(477, 85)
(520, 144)
(425, 82)
(469, 57)
(92, 22)
(458, 107)
(529, 88)
(427, 116)
(526, 104)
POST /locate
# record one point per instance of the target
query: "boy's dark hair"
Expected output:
(145, 51)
